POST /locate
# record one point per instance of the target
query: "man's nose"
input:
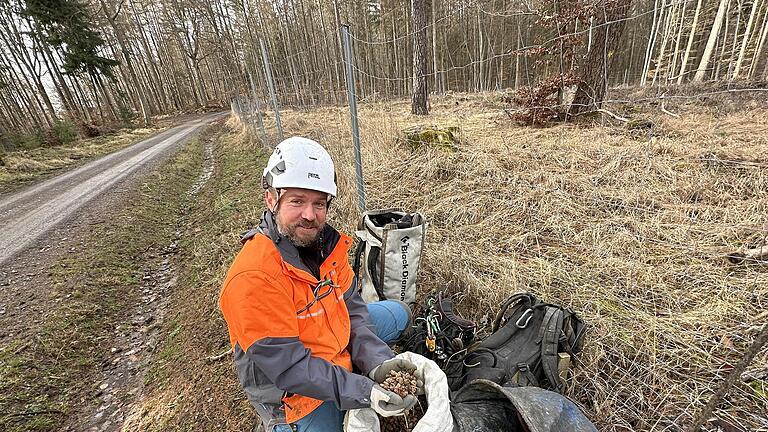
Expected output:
(308, 213)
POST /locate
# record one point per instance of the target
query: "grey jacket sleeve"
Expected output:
(291, 367)
(366, 349)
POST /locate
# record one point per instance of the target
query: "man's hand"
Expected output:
(380, 372)
(388, 404)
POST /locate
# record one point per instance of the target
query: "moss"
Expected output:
(444, 138)
(760, 388)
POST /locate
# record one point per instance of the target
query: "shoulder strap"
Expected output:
(573, 332)
(359, 252)
(373, 259)
(549, 335)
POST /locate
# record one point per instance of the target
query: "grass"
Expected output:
(628, 227)
(197, 394)
(25, 166)
(50, 373)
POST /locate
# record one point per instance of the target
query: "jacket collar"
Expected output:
(329, 238)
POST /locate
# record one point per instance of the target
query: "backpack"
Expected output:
(388, 254)
(531, 344)
(441, 335)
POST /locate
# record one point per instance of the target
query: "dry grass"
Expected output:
(23, 167)
(628, 228)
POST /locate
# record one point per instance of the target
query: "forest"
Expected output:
(80, 67)
(605, 155)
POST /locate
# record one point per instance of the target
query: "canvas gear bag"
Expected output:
(531, 344)
(388, 254)
(440, 334)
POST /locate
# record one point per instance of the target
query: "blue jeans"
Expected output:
(390, 319)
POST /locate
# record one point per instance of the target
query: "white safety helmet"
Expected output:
(300, 163)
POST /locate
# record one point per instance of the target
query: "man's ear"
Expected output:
(269, 199)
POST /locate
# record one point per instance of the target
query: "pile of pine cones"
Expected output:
(401, 382)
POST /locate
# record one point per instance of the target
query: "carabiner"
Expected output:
(528, 312)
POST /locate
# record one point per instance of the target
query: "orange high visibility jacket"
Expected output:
(293, 352)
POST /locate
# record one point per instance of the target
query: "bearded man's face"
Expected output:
(301, 214)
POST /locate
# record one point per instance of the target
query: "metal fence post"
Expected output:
(352, 98)
(255, 100)
(271, 85)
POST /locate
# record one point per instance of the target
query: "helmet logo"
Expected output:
(313, 175)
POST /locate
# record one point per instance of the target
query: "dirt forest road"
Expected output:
(27, 215)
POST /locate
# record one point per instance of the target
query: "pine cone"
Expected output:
(402, 383)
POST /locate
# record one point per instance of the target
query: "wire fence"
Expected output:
(674, 239)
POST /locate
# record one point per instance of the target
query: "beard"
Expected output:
(299, 237)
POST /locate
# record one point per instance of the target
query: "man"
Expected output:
(296, 321)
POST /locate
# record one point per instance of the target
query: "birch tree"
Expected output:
(689, 45)
(745, 39)
(713, 33)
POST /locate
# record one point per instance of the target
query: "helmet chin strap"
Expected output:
(277, 201)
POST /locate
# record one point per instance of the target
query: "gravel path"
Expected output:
(27, 215)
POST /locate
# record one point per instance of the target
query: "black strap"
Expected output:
(513, 299)
(525, 376)
(359, 252)
(373, 259)
(549, 335)
(445, 306)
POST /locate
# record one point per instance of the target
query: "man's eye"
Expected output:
(295, 202)
(319, 205)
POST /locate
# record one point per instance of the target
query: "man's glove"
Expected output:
(380, 372)
(388, 404)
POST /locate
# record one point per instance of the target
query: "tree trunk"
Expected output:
(760, 44)
(651, 42)
(724, 42)
(684, 63)
(594, 71)
(676, 53)
(121, 40)
(732, 57)
(745, 41)
(419, 98)
(702, 69)
(664, 40)
(435, 65)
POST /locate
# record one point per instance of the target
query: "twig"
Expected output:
(617, 117)
(752, 351)
(21, 348)
(664, 110)
(218, 357)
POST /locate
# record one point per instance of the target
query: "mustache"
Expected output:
(307, 224)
